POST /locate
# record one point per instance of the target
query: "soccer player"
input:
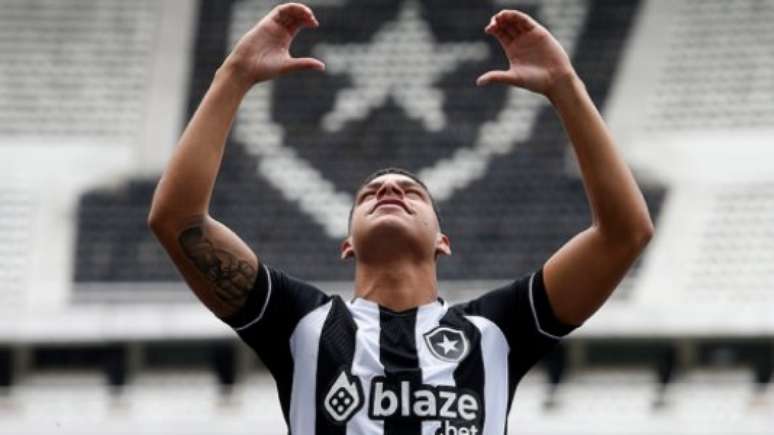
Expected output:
(397, 359)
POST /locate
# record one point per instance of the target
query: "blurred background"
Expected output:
(98, 334)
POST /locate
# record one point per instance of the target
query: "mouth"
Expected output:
(390, 202)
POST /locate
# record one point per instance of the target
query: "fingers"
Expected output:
(508, 25)
(302, 63)
(505, 26)
(294, 16)
(503, 77)
(515, 22)
(495, 30)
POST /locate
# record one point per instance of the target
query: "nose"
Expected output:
(389, 187)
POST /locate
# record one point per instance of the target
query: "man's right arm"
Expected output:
(218, 266)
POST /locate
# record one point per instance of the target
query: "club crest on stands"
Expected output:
(382, 103)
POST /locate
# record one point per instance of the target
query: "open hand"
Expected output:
(537, 61)
(264, 51)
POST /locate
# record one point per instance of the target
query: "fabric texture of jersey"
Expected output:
(356, 368)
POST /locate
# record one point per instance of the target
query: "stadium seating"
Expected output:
(604, 400)
(691, 108)
(17, 210)
(525, 205)
(734, 263)
(74, 70)
(697, 72)
(732, 60)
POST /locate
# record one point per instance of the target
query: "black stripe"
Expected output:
(469, 376)
(336, 353)
(398, 354)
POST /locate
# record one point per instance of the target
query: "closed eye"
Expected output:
(415, 192)
(365, 195)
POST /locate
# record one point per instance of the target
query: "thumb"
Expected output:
(494, 77)
(302, 63)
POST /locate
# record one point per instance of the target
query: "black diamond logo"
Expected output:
(344, 397)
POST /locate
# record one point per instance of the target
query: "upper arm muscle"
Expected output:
(583, 273)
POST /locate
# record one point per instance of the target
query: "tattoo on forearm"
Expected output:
(231, 276)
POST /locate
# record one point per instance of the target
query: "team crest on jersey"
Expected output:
(344, 397)
(447, 344)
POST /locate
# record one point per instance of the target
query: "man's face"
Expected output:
(394, 208)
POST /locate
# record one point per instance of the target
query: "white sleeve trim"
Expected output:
(265, 303)
(534, 312)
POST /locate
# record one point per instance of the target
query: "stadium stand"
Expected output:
(735, 88)
(525, 204)
(51, 47)
(689, 107)
(605, 400)
(685, 346)
(734, 262)
(82, 88)
(17, 210)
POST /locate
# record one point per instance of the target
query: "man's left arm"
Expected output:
(583, 273)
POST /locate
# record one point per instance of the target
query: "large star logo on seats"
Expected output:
(383, 69)
(399, 90)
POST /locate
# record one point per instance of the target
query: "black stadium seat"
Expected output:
(502, 225)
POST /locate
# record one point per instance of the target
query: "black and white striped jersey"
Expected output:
(356, 368)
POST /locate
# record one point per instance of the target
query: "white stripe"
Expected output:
(534, 312)
(304, 346)
(365, 363)
(265, 303)
(434, 371)
(494, 349)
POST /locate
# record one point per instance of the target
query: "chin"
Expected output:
(390, 227)
(389, 234)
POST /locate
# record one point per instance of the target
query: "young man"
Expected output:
(397, 359)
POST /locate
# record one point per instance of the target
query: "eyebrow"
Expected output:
(402, 183)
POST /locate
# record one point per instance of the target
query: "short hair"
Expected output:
(392, 170)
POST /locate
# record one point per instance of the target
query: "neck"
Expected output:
(398, 285)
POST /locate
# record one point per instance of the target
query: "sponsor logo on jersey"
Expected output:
(344, 397)
(447, 344)
(458, 410)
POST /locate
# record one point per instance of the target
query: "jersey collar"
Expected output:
(373, 306)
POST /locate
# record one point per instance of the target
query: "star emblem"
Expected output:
(299, 181)
(447, 345)
(384, 69)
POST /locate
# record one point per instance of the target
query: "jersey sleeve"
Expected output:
(523, 313)
(276, 303)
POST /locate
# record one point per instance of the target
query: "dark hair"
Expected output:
(391, 170)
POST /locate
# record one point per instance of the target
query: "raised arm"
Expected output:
(582, 274)
(218, 266)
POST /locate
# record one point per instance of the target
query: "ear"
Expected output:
(442, 245)
(346, 249)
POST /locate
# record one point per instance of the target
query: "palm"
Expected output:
(536, 59)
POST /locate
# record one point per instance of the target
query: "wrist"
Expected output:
(231, 74)
(565, 88)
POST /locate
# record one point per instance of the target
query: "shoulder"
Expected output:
(517, 307)
(277, 298)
